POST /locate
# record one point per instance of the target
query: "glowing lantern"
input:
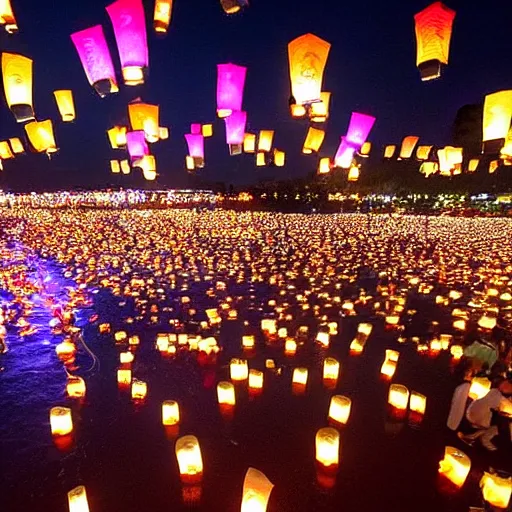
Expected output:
(77, 500)
(162, 16)
(339, 409)
(331, 369)
(423, 152)
(117, 136)
(256, 491)
(126, 358)
(40, 135)
(7, 17)
(162, 342)
(314, 139)
(449, 158)
(235, 127)
(455, 466)
(248, 341)
(61, 421)
(388, 367)
(66, 105)
(279, 158)
(230, 88)
(473, 164)
(17, 146)
(324, 167)
(398, 396)
(136, 145)
(145, 117)
(125, 167)
(232, 6)
(487, 322)
(290, 346)
(249, 143)
(226, 393)
(139, 389)
(269, 326)
(307, 57)
(297, 111)
(238, 369)
(207, 130)
(320, 109)
(189, 458)
(428, 168)
(365, 329)
(128, 21)
(17, 74)
(75, 387)
(189, 162)
(328, 447)
(408, 145)
(260, 159)
(94, 54)
(265, 140)
(359, 128)
(418, 402)
(196, 148)
(389, 151)
(479, 388)
(195, 129)
(497, 115)
(300, 376)
(433, 34)
(493, 166)
(344, 155)
(323, 338)
(170, 413)
(456, 351)
(365, 149)
(496, 490)
(255, 379)
(353, 173)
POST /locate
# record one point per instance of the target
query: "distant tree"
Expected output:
(467, 129)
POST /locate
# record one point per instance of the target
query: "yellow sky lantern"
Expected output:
(429, 168)
(190, 460)
(324, 166)
(449, 158)
(265, 140)
(207, 130)
(497, 116)
(307, 56)
(297, 111)
(256, 491)
(17, 75)
(389, 151)
(353, 173)
(17, 146)
(418, 402)
(279, 158)
(423, 152)
(7, 18)
(77, 500)
(249, 143)
(260, 159)
(40, 135)
(473, 164)
(493, 165)
(66, 105)
(365, 149)
(506, 150)
(455, 466)
(408, 145)
(145, 117)
(115, 166)
(319, 112)
(314, 140)
(139, 389)
(163, 133)
(190, 163)
(162, 16)
(125, 167)
(496, 490)
(117, 136)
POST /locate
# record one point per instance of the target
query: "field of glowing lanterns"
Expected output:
(248, 361)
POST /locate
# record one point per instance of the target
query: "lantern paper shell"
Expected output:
(117, 136)
(195, 129)
(124, 376)
(75, 387)
(170, 413)
(365, 149)
(66, 105)
(145, 117)
(423, 152)
(428, 168)
(195, 145)
(235, 127)
(319, 112)
(77, 500)
(207, 130)
(238, 369)
(231, 6)
(473, 164)
(265, 140)
(398, 396)
(433, 34)
(455, 466)
(497, 115)
(279, 158)
(479, 388)
(418, 403)
(125, 167)
(324, 166)
(230, 88)
(359, 129)
(115, 167)
(353, 173)
(344, 155)
(226, 393)
(163, 133)
(408, 145)
(339, 409)
(496, 490)
(331, 369)
(189, 163)
(300, 376)
(129, 23)
(249, 143)
(137, 145)
(162, 16)
(7, 18)
(17, 146)
(328, 447)
(255, 379)
(256, 491)
(94, 54)
(389, 151)
(40, 135)
(297, 111)
(139, 389)
(61, 421)
(307, 56)
(17, 75)
(260, 159)
(314, 140)
(190, 461)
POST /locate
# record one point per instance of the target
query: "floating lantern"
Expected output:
(487, 322)
(389, 151)
(133, 340)
(235, 127)
(473, 164)
(365, 149)
(307, 57)
(456, 351)
(120, 336)
(40, 134)
(195, 129)
(260, 159)
(139, 389)
(145, 117)
(128, 21)
(353, 173)
(290, 347)
(61, 421)
(392, 320)
(226, 393)
(320, 109)
(189, 457)
(117, 136)
(77, 500)
(124, 377)
(170, 413)
(344, 155)
(323, 338)
(418, 403)
(314, 139)
(270, 364)
(297, 111)
(207, 130)
(365, 329)
(398, 396)
(115, 167)
(496, 490)
(331, 369)
(423, 152)
(449, 158)
(196, 148)
(75, 387)
(163, 133)
(359, 128)
(17, 146)
(496, 122)
(479, 388)
(7, 18)
(269, 326)
(248, 342)
(17, 74)
(324, 166)
(189, 163)
(137, 145)
(408, 145)
(65, 350)
(279, 158)
(300, 376)
(433, 34)
(339, 409)
(230, 88)
(265, 140)
(66, 105)
(239, 369)
(328, 447)
(162, 342)
(126, 358)
(94, 54)
(455, 466)
(255, 379)
(256, 491)
(162, 16)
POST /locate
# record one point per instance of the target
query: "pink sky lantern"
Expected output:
(230, 88)
(136, 144)
(345, 154)
(359, 129)
(195, 129)
(195, 145)
(235, 127)
(94, 54)
(129, 24)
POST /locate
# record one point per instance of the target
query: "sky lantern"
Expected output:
(239, 369)
(189, 163)
(359, 128)
(163, 133)
(195, 129)
(353, 173)
(433, 33)
(145, 117)
(148, 165)
(77, 500)
(235, 127)
(389, 151)
(449, 159)
(7, 18)
(260, 159)
(129, 24)
(324, 166)
(117, 136)
(398, 396)
(496, 123)
(320, 110)
(40, 135)
(344, 155)
(423, 152)
(196, 148)
(233, 6)
(314, 140)
(65, 104)
(162, 16)
(265, 140)
(17, 74)
(279, 158)
(496, 490)
(17, 146)
(136, 145)
(207, 130)
(256, 491)
(125, 167)
(189, 457)
(230, 88)
(365, 149)
(428, 168)
(307, 56)
(455, 466)
(249, 143)
(226, 393)
(408, 145)
(115, 167)
(94, 54)
(5, 151)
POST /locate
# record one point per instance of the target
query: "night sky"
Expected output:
(371, 69)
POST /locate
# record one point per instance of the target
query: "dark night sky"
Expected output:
(371, 69)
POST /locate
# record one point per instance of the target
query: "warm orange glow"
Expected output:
(139, 389)
(365, 149)
(260, 159)
(256, 491)
(61, 422)
(473, 164)
(146, 118)
(300, 376)
(353, 173)
(77, 500)
(5, 151)
(170, 413)
(239, 369)
(190, 461)
(117, 136)
(423, 152)
(480, 386)
(320, 110)
(324, 166)
(455, 466)
(249, 143)
(17, 75)
(226, 393)
(398, 396)
(418, 403)
(115, 167)
(40, 135)
(279, 158)
(75, 387)
(497, 115)
(162, 16)
(17, 146)
(255, 379)
(7, 17)
(331, 369)
(65, 104)
(339, 409)
(328, 447)
(408, 145)
(125, 167)
(297, 110)
(265, 141)
(314, 139)
(496, 490)
(389, 151)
